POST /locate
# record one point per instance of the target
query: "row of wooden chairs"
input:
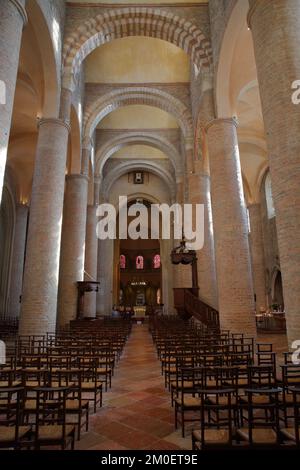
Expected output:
(200, 366)
(49, 382)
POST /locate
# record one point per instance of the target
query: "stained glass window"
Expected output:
(122, 261)
(156, 262)
(139, 262)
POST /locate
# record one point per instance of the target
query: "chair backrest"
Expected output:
(261, 376)
(263, 413)
(11, 413)
(290, 375)
(51, 407)
(219, 403)
(296, 399)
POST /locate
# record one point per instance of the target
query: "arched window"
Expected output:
(158, 296)
(122, 261)
(269, 197)
(139, 262)
(156, 262)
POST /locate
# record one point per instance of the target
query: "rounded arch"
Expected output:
(113, 100)
(223, 73)
(276, 287)
(111, 147)
(133, 165)
(134, 21)
(51, 75)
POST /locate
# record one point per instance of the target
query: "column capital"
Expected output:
(251, 12)
(189, 142)
(231, 121)
(253, 205)
(21, 10)
(74, 176)
(56, 121)
(87, 144)
(97, 179)
(69, 80)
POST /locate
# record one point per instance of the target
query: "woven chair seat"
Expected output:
(74, 404)
(223, 401)
(102, 370)
(288, 398)
(62, 383)
(289, 433)
(259, 436)
(178, 386)
(7, 433)
(213, 436)
(256, 399)
(189, 402)
(4, 403)
(15, 383)
(90, 385)
(54, 432)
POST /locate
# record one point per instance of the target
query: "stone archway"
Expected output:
(152, 167)
(133, 21)
(111, 147)
(143, 95)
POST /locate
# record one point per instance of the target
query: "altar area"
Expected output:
(139, 311)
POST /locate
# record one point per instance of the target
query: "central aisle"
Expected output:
(136, 413)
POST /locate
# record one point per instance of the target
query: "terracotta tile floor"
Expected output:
(136, 412)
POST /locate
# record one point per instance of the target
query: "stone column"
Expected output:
(275, 28)
(182, 273)
(12, 19)
(18, 259)
(199, 191)
(72, 247)
(236, 300)
(257, 256)
(199, 185)
(39, 299)
(91, 255)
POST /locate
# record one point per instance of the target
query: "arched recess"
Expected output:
(133, 21)
(51, 76)
(237, 20)
(7, 227)
(133, 165)
(143, 95)
(276, 287)
(107, 150)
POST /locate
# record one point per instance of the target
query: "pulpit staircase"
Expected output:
(188, 305)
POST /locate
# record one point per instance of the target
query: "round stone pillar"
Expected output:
(91, 255)
(275, 26)
(72, 247)
(257, 256)
(182, 273)
(18, 259)
(39, 299)
(235, 292)
(12, 19)
(199, 186)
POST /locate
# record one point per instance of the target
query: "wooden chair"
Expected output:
(76, 406)
(290, 378)
(12, 433)
(263, 419)
(188, 402)
(51, 428)
(214, 433)
(289, 433)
